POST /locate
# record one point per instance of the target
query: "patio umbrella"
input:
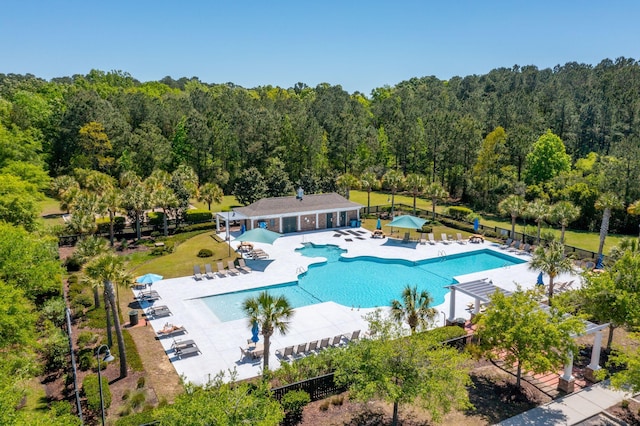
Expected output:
(379, 225)
(407, 221)
(540, 281)
(259, 235)
(600, 262)
(254, 332)
(243, 229)
(476, 224)
(149, 278)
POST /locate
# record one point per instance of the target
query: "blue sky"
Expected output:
(359, 45)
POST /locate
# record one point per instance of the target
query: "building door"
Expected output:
(343, 218)
(329, 220)
(289, 224)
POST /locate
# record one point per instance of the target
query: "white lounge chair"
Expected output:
(337, 340)
(507, 244)
(423, 240)
(208, 271)
(197, 274)
(243, 266)
(324, 343)
(285, 353)
(445, 239)
(460, 239)
(232, 268)
(221, 271)
(313, 346)
(432, 239)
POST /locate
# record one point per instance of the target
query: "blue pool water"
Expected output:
(365, 282)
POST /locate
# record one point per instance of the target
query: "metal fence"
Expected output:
(318, 387)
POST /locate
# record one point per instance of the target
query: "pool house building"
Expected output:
(295, 213)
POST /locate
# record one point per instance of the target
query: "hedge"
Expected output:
(92, 392)
(459, 213)
(197, 215)
(118, 224)
(156, 218)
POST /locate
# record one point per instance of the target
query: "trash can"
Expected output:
(354, 223)
(133, 318)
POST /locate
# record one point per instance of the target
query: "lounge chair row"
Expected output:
(257, 254)
(221, 272)
(297, 351)
(517, 247)
(444, 239)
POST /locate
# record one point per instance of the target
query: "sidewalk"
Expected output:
(571, 409)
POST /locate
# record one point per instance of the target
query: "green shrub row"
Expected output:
(92, 392)
(118, 224)
(197, 215)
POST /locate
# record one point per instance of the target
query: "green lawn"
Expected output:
(228, 202)
(50, 212)
(180, 263)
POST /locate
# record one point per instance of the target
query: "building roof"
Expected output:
(314, 203)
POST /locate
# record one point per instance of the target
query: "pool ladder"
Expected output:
(300, 270)
(442, 255)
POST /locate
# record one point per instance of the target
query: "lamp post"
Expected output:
(107, 358)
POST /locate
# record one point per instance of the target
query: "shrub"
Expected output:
(325, 405)
(137, 399)
(459, 213)
(293, 403)
(86, 339)
(55, 349)
(53, 310)
(141, 382)
(92, 392)
(72, 264)
(442, 334)
(337, 400)
(118, 224)
(155, 218)
(82, 300)
(205, 253)
(197, 216)
(156, 234)
(86, 360)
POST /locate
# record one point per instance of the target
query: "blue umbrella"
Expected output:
(540, 281)
(599, 263)
(254, 332)
(476, 224)
(242, 229)
(379, 225)
(149, 278)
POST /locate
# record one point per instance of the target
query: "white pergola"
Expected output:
(481, 291)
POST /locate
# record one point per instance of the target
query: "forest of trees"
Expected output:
(475, 135)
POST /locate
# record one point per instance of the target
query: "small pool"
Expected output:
(363, 282)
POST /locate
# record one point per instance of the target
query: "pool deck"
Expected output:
(220, 342)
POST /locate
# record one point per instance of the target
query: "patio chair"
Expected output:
(423, 240)
(232, 268)
(313, 346)
(525, 249)
(324, 343)
(460, 239)
(432, 239)
(301, 349)
(159, 311)
(406, 237)
(354, 336)
(148, 296)
(507, 244)
(515, 247)
(243, 266)
(285, 353)
(187, 351)
(221, 271)
(182, 344)
(337, 340)
(197, 274)
(445, 239)
(170, 330)
(209, 271)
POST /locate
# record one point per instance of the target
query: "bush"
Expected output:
(119, 223)
(86, 360)
(137, 399)
(55, 349)
(205, 253)
(459, 213)
(86, 339)
(72, 264)
(82, 300)
(197, 216)
(442, 334)
(155, 218)
(141, 382)
(293, 403)
(53, 310)
(92, 392)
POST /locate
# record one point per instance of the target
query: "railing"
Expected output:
(318, 387)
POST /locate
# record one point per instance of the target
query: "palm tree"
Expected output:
(606, 202)
(165, 199)
(393, 180)
(414, 308)
(271, 314)
(538, 210)
(513, 205)
(551, 261)
(111, 201)
(435, 192)
(65, 188)
(347, 182)
(369, 181)
(416, 184)
(135, 199)
(210, 193)
(108, 268)
(563, 213)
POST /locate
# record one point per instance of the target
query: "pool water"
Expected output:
(363, 282)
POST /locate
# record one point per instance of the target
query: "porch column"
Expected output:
(589, 371)
(567, 381)
(452, 306)
(317, 218)
(280, 222)
(217, 224)
(299, 224)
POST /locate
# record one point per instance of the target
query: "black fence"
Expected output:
(491, 231)
(318, 388)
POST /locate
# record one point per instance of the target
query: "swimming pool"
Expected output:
(363, 282)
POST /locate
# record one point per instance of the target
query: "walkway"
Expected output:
(582, 406)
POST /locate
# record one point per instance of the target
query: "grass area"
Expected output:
(180, 262)
(133, 357)
(50, 212)
(228, 201)
(36, 396)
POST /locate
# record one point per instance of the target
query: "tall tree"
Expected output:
(416, 185)
(210, 193)
(393, 180)
(551, 261)
(518, 331)
(109, 268)
(514, 206)
(435, 192)
(547, 159)
(406, 370)
(271, 313)
(606, 202)
(347, 182)
(65, 188)
(414, 308)
(563, 213)
(136, 199)
(250, 186)
(369, 181)
(538, 210)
